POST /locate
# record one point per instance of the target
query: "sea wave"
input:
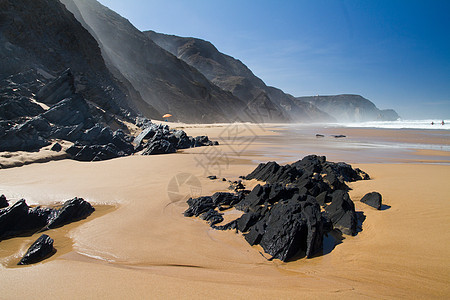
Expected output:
(400, 124)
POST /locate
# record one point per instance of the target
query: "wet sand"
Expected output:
(146, 248)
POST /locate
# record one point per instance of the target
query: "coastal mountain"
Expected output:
(350, 108)
(165, 82)
(124, 73)
(232, 75)
(43, 37)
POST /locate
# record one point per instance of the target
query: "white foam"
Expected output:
(399, 124)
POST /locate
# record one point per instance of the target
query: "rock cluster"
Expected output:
(289, 215)
(160, 139)
(20, 219)
(64, 114)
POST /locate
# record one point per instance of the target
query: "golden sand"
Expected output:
(146, 248)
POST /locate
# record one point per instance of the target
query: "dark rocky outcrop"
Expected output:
(71, 211)
(45, 37)
(70, 117)
(373, 199)
(160, 139)
(284, 215)
(41, 249)
(341, 212)
(20, 219)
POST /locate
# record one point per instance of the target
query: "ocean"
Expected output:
(434, 124)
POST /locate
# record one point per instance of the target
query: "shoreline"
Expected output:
(147, 244)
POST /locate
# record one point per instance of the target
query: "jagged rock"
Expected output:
(284, 217)
(70, 111)
(19, 219)
(212, 217)
(159, 147)
(94, 153)
(13, 107)
(341, 212)
(22, 138)
(71, 211)
(345, 171)
(236, 185)
(293, 227)
(58, 89)
(198, 206)
(147, 133)
(41, 249)
(224, 199)
(56, 147)
(373, 199)
(212, 177)
(203, 140)
(183, 139)
(3, 202)
(247, 220)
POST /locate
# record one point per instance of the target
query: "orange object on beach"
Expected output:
(167, 115)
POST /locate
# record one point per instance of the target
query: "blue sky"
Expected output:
(396, 53)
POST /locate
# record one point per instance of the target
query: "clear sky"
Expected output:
(396, 53)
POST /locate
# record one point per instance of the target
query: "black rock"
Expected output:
(247, 220)
(71, 211)
(198, 206)
(236, 185)
(320, 135)
(284, 216)
(373, 199)
(339, 136)
(94, 152)
(202, 140)
(212, 217)
(212, 177)
(224, 199)
(293, 229)
(57, 90)
(159, 147)
(147, 133)
(258, 196)
(341, 212)
(68, 112)
(41, 249)
(22, 138)
(56, 147)
(19, 219)
(3, 201)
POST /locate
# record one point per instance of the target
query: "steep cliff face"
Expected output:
(165, 82)
(350, 108)
(232, 75)
(44, 36)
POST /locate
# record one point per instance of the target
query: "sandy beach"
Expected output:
(139, 245)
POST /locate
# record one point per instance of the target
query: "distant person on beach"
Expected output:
(442, 123)
(432, 123)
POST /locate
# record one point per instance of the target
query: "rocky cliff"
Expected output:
(165, 82)
(44, 36)
(350, 108)
(232, 75)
